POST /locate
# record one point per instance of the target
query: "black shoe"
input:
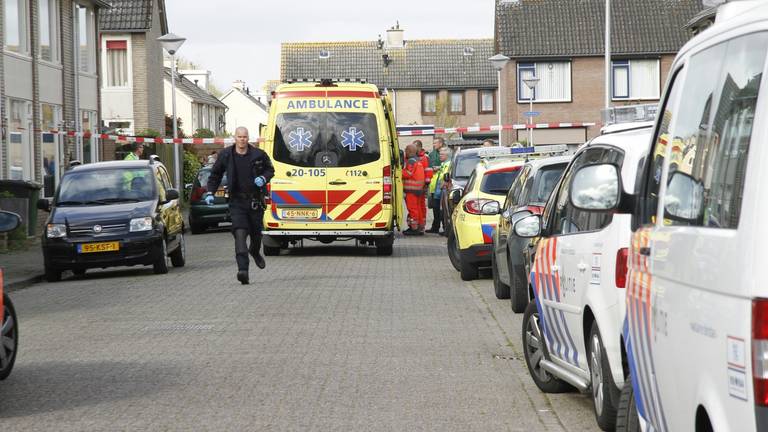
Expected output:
(258, 259)
(242, 276)
(407, 231)
(433, 230)
(410, 232)
(443, 234)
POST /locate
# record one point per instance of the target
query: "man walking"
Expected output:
(249, 169)
(413, 186)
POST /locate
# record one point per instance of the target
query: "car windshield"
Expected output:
(499, 182)
(326, 139)
(545, 183)
(465, 165)
(106, 186)
(203, 174)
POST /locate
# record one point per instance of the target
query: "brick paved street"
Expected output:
(327, 338)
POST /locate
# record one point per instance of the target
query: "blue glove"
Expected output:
(260, 181)
(208, 198)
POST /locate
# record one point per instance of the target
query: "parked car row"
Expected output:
(640, 274)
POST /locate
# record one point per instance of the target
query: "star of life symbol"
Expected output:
(300, 139)
(352, 139)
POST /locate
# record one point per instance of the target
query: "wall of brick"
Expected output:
(37, 154)
(68, 60)
(587, 94)
(155, 76)
(140, 77)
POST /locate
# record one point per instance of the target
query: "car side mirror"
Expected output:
(528, 227)
(447, 177)
(9, 221)
(171, 194)
(596, 188)
(684, 197)
(44, 205)
(188, 186)
(456, 196)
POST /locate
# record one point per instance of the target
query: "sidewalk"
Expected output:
(22, 268)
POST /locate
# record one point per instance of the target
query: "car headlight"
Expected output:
(56, 231)
(141, 224)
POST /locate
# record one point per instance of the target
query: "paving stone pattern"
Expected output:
(326, 338)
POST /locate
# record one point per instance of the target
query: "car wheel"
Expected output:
(453, 251)
(605, 395)
(179, 256)
(501, 289)
(384, 250)
(271, 251)
(627, 419)
(468, 271)
(160, 265)
(196, 228)
(9, 338)
(79, 272)
(52, 274)
(535, 350)
(518, 290)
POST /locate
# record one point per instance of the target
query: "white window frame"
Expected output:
(626, 64)
(90, 28)
(538, 68)
(27, 151)
(104, 60)
(24, 36)
(58, 148)
(54, 32)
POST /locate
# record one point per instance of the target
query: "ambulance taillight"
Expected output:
(760, 351)
(387, 185)
(622, 256)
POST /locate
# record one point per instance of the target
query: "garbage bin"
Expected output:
(27, 191)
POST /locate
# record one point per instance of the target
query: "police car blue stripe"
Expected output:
(633, 371)
(652, 402)
(570, 340)
(537, 292)
(642, 368)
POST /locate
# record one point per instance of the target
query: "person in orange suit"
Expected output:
(424, 160)
(413, 186)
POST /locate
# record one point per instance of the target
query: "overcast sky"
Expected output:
(240, 39)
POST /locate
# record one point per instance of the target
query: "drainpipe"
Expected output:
(78, 119)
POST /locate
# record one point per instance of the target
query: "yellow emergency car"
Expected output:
(338, 174)
(476, 213)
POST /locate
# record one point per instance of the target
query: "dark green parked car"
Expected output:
(201, 215)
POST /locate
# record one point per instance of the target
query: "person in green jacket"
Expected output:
(434, 155)
(436, 189)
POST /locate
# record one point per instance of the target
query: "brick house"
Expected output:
(562, 44)
(132, 66)
(431, 82)
(49, 80)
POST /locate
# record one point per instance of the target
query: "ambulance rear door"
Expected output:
(396, 166)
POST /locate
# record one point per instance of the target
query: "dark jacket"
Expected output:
(261, 165)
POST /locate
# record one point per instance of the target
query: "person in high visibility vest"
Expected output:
(424, 160)
(137, 149)
(413, 186)
(436, 189)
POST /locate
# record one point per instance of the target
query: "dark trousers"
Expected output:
(245, 222)
(437, 214)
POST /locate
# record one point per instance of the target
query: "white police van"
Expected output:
(697, 290)
(572, 328)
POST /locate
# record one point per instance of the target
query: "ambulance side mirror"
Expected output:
(447, 177)
(456, 196)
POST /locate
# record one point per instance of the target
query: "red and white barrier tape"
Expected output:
(494, 128)
(415, 132)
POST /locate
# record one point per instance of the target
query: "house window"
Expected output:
(50, 116)
(428, 103)
(89, 143)
(456, 102)
(487, 101)
(49, 30)
(16, 39)
(86, 47)
(19, 142)
(117, 63)
(636, 79)
(554, 81)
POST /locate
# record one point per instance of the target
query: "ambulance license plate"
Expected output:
(301, 213)
(98, 247)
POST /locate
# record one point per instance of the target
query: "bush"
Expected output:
(204, 133)
(191, 167)
(149, 133)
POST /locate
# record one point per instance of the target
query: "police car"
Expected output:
(697, 314)
(475, 215)
(572, 328)
(337, 170)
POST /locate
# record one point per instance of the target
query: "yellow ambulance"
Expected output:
(338, 174)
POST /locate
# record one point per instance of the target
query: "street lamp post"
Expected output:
(172, 43)
(499, 61)
(531, 84)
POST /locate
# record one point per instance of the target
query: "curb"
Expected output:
(21, 283)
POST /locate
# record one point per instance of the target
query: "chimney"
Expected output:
(238, 84)
(395, 37)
